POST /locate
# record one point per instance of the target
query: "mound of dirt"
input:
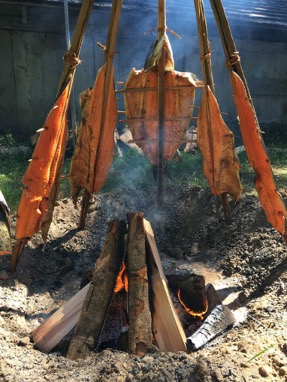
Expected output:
(246, 263)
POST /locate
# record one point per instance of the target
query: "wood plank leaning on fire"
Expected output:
(41, 180)
(265, 183)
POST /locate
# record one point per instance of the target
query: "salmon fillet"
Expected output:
(40, 174)
(142, 110)
(265, 184)
(220, 162)
(94, 150)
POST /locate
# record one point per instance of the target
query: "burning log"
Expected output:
(139, 339)
(98, 299)
(191, 294)
(220, 319)
(167, 328)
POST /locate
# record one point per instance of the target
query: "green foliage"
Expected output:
(13, 167)
(131, 170)
(278, 160)
(186, 169)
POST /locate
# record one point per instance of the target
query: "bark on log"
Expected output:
(167, 328)
(98, 299)
(220, 319)
(140, 334)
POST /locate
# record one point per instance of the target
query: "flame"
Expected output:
(189, 311)
(122, 279)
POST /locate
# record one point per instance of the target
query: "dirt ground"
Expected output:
(246, 263)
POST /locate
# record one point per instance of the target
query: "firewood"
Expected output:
(139, 339)
(98, 299)
(191, 292)
(58, 325)
(167, 328)
(220, 319)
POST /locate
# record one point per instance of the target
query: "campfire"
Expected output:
(131, 305)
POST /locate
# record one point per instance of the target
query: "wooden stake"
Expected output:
(99, 296)
(17, 252)
(205, 55)
(84, 211)
(76, 44)
(231, 53)
(161, 101)
(109, 57)
(139, 338)
(167, 328)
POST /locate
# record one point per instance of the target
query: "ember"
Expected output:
(190, 311)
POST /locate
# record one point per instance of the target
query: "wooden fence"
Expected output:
(33, 43)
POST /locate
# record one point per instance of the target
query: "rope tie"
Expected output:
(234, 59)
(109, 55)
(71, 59)
(206, 56)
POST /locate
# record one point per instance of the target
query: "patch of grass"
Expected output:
(278, 160)
(186, 169)
(133, 170)
(12, 171)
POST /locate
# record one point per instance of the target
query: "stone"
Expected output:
(4, 275)
(265, 371)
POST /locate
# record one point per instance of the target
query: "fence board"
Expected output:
(8, 104)
(29, 86)
(53, 47)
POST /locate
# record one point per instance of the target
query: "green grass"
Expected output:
(133, 170)
(278, 160)
(13, 166)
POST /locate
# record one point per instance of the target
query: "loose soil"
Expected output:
(246, 263)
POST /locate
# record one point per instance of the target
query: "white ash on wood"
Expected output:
(219, 320)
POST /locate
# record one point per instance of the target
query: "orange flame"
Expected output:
(122, 280)
(191, 312)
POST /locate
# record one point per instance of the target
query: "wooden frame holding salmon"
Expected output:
(95, 143)
(265, 183)
(41, 180)
(142, 106)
